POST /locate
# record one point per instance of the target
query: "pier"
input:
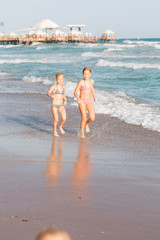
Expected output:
(36, 35)
(58, 39)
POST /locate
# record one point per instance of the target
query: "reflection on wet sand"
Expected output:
(82, 165)
(55, 161)
(79, 171)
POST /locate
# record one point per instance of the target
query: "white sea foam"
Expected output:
(88, 45)
(36, 43)
(4, 73)
(128, 41)
(141, 43)
(114, 49)
(105, 63)
(70, 87)
(33, 79)
(128, 109)
(9, 46)
(41, 47)
(91, 54)
(157, 46)
(43, 60)
(124, 107)
(146, 43)
(119, 46)
(17, 61)
(105, 54)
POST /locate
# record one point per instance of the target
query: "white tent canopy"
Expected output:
(38, 33)
(58, 32)
(108, 32)
(45, 24)
(11, 34)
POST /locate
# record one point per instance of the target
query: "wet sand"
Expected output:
(106, 186)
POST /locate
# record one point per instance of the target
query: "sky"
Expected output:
(128, 19)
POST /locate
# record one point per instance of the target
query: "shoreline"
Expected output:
(103, 187)
(106, 131)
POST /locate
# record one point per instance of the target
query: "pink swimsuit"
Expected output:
(83, 88)
(86, 101)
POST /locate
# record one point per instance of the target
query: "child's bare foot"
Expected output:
(87, 128)
(82, 135)
(61, 130)
(56, 134)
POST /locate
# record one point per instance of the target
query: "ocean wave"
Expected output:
(128, 41)
(9, 46)
(105, 63)
(36, 43)
(34, 79)
(42, 60)
(120, 46)
(4, 73)
(157, 46)
(91, 54)
(105, 53)
(114, 49)
(41, 48)
(124, 107)
(88, 45)
(127, 109)
(141, 43)
(107, 46)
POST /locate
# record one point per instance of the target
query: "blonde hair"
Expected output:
(87, 68)
(53, 232)
(59, 74)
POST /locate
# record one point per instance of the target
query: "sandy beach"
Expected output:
(106, 186)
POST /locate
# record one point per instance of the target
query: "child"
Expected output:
(85, 100)
(57, 93)
(53, 234)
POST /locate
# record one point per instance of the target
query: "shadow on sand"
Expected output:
(27, 122)
(34, 123)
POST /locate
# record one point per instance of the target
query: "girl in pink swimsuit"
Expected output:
(85, 99)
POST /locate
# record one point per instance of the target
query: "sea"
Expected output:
(126, 74)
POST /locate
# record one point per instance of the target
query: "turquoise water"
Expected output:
(126, 74)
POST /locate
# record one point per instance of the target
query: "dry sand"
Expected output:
(106, 186)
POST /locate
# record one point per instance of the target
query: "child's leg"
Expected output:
(53, 151)
(55, 115)
(82, 108)
(91, 113)
(62, 112)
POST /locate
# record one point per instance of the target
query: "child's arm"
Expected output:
(77, 90)
(49, 93)
(93, 92)
(64, 97)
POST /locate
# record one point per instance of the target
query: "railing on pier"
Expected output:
(23, 39)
